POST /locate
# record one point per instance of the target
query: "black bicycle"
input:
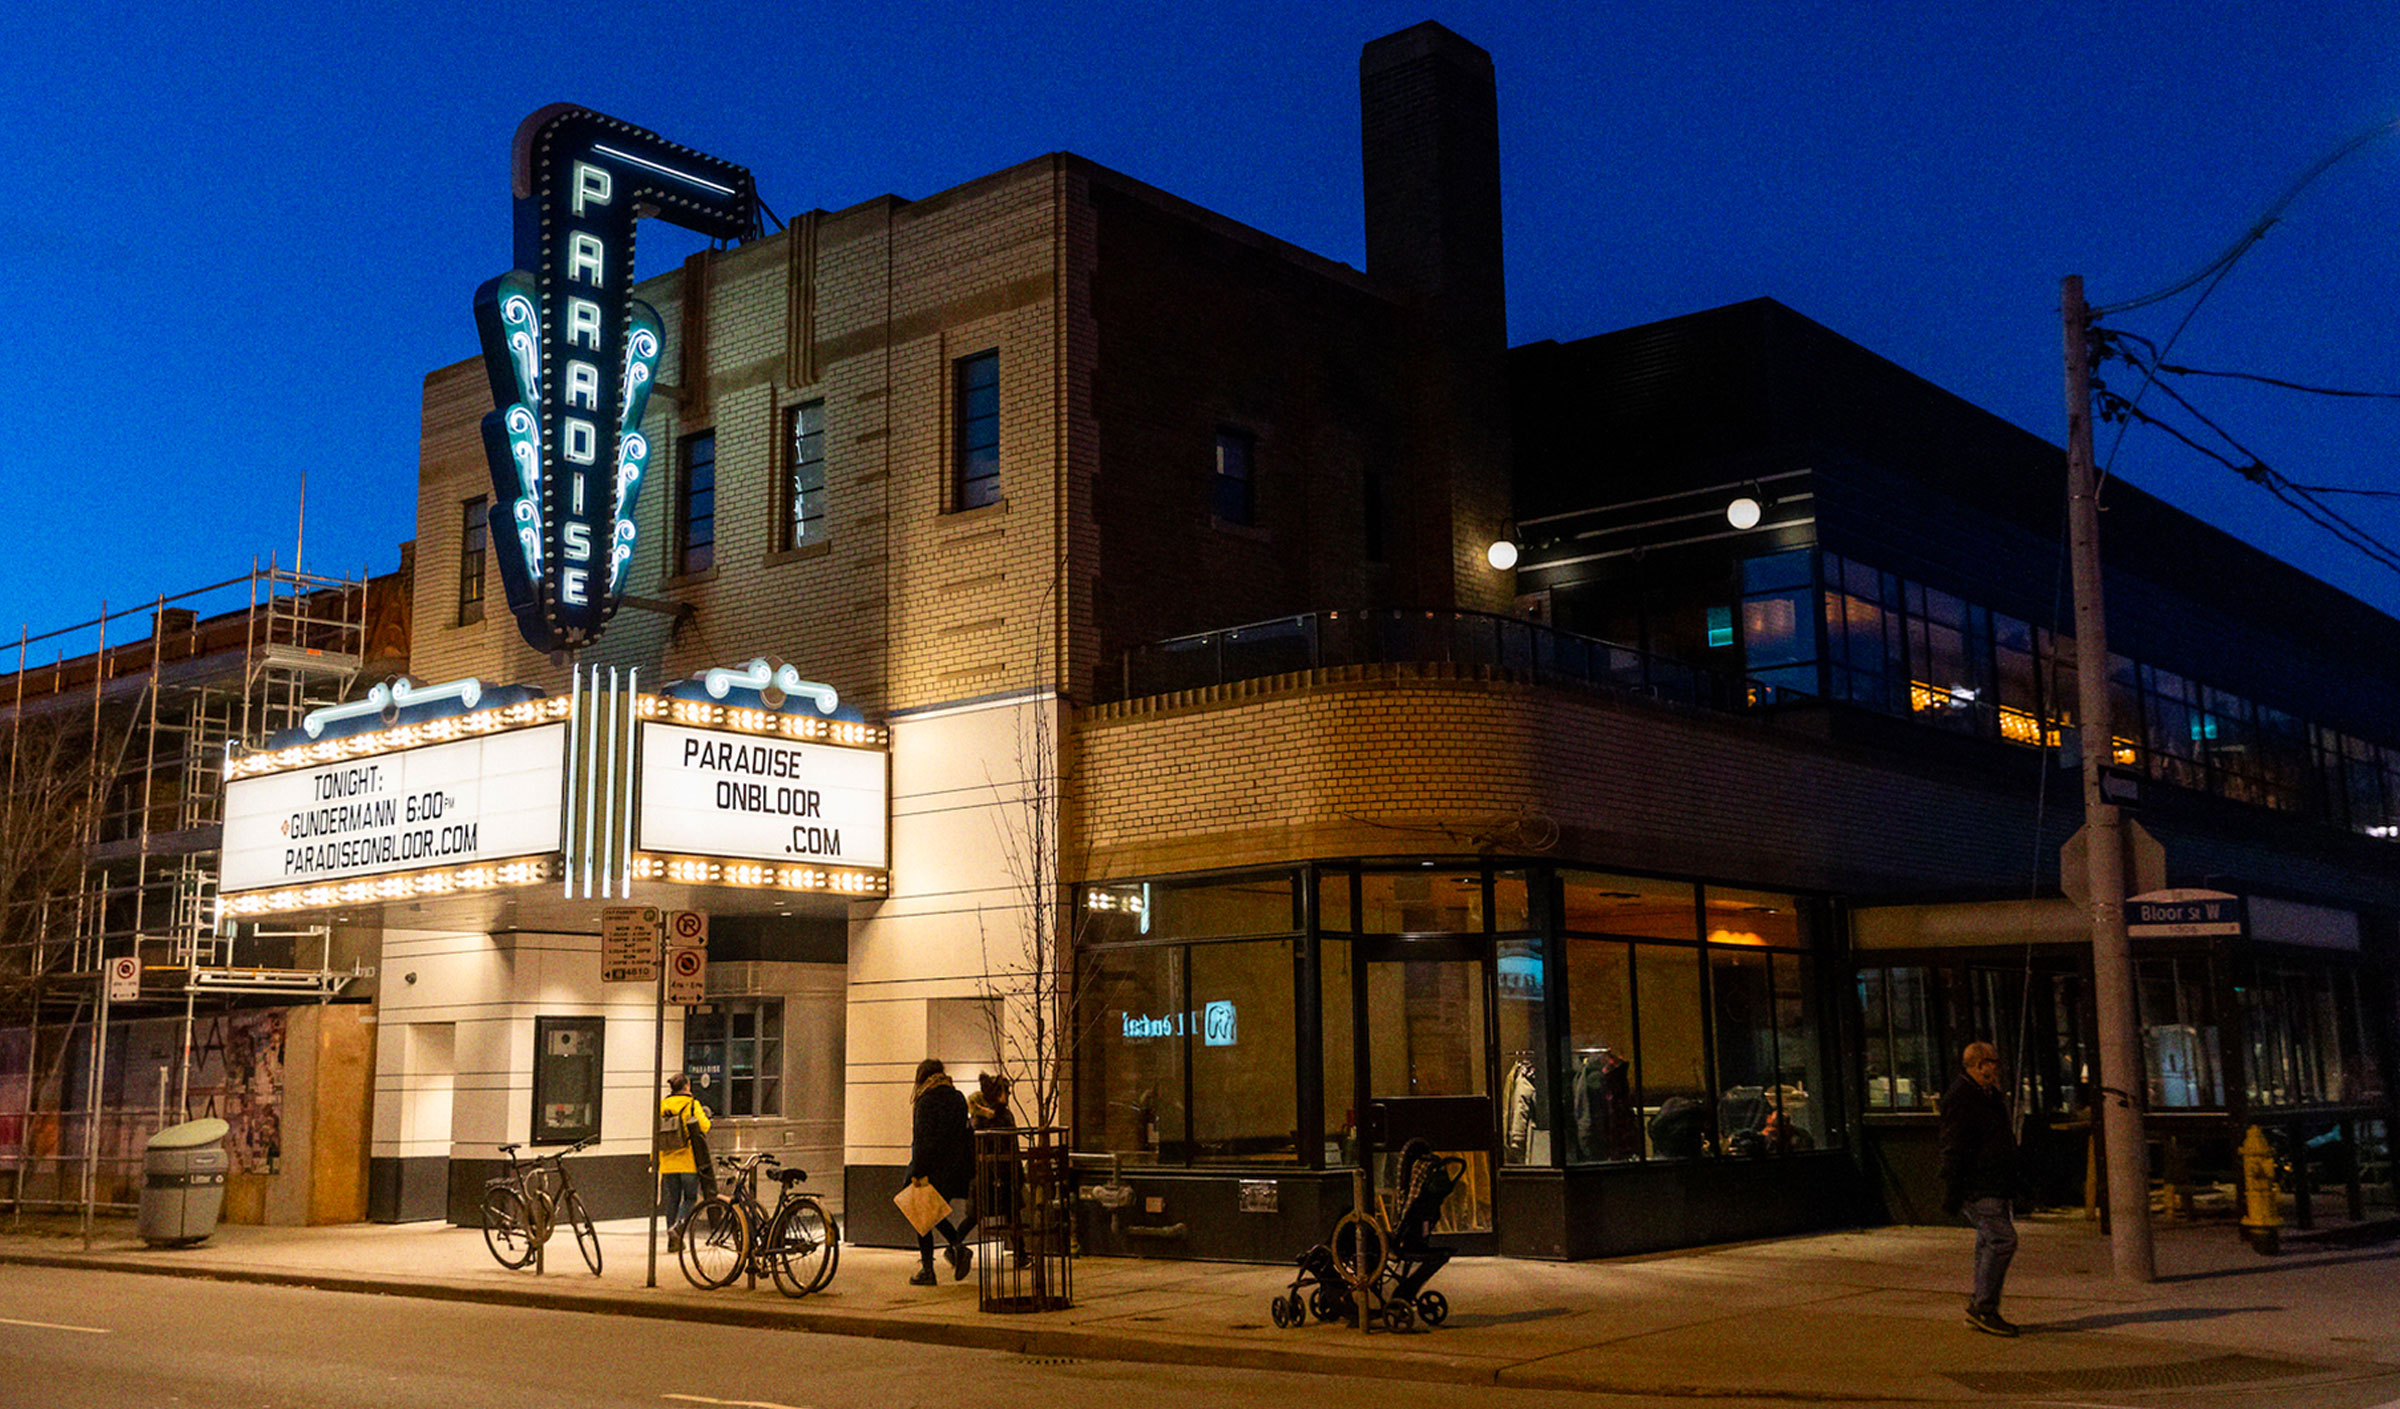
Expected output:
(796, 1244)
(522, 1207)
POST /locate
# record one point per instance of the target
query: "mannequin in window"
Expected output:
(1605, 1128)
(1522, 1107)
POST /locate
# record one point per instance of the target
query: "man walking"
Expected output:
(1979, 1177)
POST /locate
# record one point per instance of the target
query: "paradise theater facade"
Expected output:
(728, 795)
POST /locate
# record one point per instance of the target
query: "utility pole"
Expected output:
(2123, 1141)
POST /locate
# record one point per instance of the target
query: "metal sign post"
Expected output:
(629, 954)
(679, 927)
(91, 1128)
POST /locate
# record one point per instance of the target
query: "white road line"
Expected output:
(54, 1326)
(735, 1403)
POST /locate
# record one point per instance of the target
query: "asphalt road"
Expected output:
(100, 1340)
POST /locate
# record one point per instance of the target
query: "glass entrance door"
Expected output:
(1429, 1068)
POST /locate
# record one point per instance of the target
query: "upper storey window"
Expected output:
(978, 414)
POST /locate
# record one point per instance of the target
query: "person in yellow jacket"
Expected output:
(679, 1172)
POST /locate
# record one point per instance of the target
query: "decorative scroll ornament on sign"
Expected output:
(572, 356)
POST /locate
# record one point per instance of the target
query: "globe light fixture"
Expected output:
(1501, 555)
(1743, 512)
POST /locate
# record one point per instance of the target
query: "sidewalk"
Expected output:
(1848, 1317)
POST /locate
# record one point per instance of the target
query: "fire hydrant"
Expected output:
(2262, 1211)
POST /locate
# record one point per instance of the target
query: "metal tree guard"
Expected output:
(1025, 1255)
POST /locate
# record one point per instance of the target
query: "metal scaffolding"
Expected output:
(115, 776)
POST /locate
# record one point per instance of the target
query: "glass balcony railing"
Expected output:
(1322, 640)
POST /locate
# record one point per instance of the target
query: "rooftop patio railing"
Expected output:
(1321, 640)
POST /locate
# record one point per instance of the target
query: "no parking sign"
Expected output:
(687, 975)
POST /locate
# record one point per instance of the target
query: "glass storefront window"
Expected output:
(1752, 917)
(1800, 1090)
(2303, 1026)
(1901, 1069)
(1421, 902)
(1521, 1023)
(1673, 1063)
(1122, 911)
(1512, 907)
(1742, 992)
(1601, 1121)
(1245, 1098)
(1129, 1064)
(1207, 909)
(2180, 1057)
(1341, 1053)
(1426, 1028)
(1333, 903)
(1592, 902)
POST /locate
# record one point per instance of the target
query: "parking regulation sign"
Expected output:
(687, 975)
(124, 979)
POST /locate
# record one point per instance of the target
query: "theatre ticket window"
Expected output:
(566, 1079)
(1897, 1039)
(1130, 1069)
(733, 1049)
(1239, 1032)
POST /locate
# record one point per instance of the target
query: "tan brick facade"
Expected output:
(1130, 328)
(1429, 760)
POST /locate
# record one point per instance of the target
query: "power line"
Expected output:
(2108, 337)
(2301, 499)
(2279, 382)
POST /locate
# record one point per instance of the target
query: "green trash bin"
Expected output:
(183, 1182)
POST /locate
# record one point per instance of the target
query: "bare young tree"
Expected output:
(1029, 968)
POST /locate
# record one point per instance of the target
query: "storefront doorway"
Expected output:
(1429, 1065)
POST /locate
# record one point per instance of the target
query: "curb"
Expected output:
(1018, 1340)
(1080, 1344)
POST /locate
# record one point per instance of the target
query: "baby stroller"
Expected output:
(1391, 1263)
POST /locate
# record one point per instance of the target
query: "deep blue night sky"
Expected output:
(238, 236)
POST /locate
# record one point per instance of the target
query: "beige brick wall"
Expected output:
(906, 602)
(1399, 760)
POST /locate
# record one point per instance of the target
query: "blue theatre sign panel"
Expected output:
(572, 356)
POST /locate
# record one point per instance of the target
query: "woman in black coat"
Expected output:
(941, 1151)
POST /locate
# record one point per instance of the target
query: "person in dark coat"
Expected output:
(988, 1110)
(941, 1151)
(1979, 1177)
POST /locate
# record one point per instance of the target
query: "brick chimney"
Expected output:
(1430, 147)
(1430, 126)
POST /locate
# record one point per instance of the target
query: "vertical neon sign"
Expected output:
(572, 356)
